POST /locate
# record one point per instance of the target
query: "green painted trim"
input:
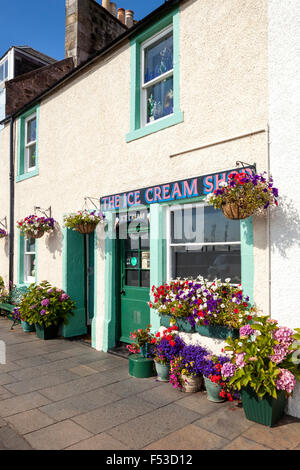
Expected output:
(157, 254)
(21, 175)
(136, 131)
(110, 320)
(94, 320)
(247, 257)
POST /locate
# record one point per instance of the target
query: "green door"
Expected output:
(134, 283)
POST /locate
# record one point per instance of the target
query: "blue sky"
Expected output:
(41, 23)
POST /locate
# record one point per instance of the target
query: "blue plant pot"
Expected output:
(163, 371)
(213, 391)
(27, 328)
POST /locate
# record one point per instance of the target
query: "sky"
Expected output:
(41, 23)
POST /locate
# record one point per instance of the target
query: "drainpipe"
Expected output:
(11, 205)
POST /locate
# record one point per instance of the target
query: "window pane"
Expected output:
(145, 242)
(145, 259)
(5, 69)
(132, 278)
(30, 245)
(31, 130)
(29, 266)
(203, 224)
(132, 259)
(31, 157)
(145, 278)
(1, 73)
(159, 58)
(132, 243)
(209, 261)
(160, 100)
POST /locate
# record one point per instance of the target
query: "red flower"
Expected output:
(249, 317)
(236, 310)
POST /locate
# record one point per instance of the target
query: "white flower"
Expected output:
(222, 306)
(223, 184)
(228, 279)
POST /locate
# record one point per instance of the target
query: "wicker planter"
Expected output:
(35, 235)
(85, 228)
(191, 384)
(232, 210)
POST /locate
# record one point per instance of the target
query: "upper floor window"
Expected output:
(4, 70)
(28, 144)
(157, 77)
(155, 80)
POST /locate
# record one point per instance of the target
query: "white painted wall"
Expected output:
(284, 119)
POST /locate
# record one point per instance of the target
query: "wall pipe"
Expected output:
(11, 205)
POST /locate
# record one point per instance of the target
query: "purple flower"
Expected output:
(64, 297)
(228, 370)
(42, 312)
(45, 302)
(246, 330)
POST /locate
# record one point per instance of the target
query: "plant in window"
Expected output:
(34, 226)
(244, 195)
(264, 367)
(45, 305)
(3, 233)
(84, 221)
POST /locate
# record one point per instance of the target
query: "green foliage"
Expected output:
(45, 305)
(4, 294)
(83, 217)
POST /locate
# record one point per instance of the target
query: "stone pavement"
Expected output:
(61, 394)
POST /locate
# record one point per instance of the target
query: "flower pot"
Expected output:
(140, 367)
(213, 391)
(35, 235)
(217, 331)
(163, 371)
(184, 325)
(165, 320)
(232, 210)
(85, 228)
(267, 410)
(191, 384)
(27, 328)
(49, 332)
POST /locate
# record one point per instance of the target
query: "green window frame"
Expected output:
(137, 129)
(22, 172)
(23, 278)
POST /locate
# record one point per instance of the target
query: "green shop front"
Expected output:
(164, 232)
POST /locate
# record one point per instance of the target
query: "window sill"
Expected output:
(25, 176)
(169, 121)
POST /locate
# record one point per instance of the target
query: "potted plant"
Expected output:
(45, 307)
(165, 345)
(84, 221)
(263, 368)
(243, 195)
(215, 384)
(34, 226)
(184, 375)
(140, 360)
(3, 233)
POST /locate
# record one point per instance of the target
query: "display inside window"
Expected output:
(157, 87)
(203, 242)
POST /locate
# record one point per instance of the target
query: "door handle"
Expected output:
(122, 292)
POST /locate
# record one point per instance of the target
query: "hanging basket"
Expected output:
(232, 210)
(35, 235)
(85, 228)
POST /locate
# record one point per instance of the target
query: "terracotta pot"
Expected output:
(191, 384)
(85, 228)
(232, 211)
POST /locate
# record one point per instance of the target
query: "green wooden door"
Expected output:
(134, 284)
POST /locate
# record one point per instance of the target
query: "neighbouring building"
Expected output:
(159, 112)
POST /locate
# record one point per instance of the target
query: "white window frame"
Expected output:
(168, 234)
(27, 255)
(27, 145)
(160, 78)
(2, 64)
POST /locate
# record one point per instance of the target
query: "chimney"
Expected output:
(113, 8)
(89, 28)
(121, 15)
(129, 18)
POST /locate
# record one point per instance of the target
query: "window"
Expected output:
(29, 260)
(155, 103)
(201, 241)
(4, 70)
(157, 77)
(28, 145)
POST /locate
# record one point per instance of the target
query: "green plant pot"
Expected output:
(145, 350)
(267, 410)
(184, 325)
(213, 391)
(140, 367)
(27, 328)
(165, 320)
(46, 333)
(163, 371)
(217, 331)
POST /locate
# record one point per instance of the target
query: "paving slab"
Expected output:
(29, 421)
(25, 402)
(6, 378)
(83, 371)
(100, 442)
(11, 440)
(198, 402)
(113, 414)
(79, 404)
(40, 382)
(142, 431)
(285, 435)
(161, 395)
(57, 436)
(241, 443)
(132, 386)
(189, 438)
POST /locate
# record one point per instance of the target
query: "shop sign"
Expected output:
(177, 190)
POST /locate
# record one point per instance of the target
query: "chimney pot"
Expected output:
(121, 15)
(106, 4)
(129, 18)
(113, 8)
